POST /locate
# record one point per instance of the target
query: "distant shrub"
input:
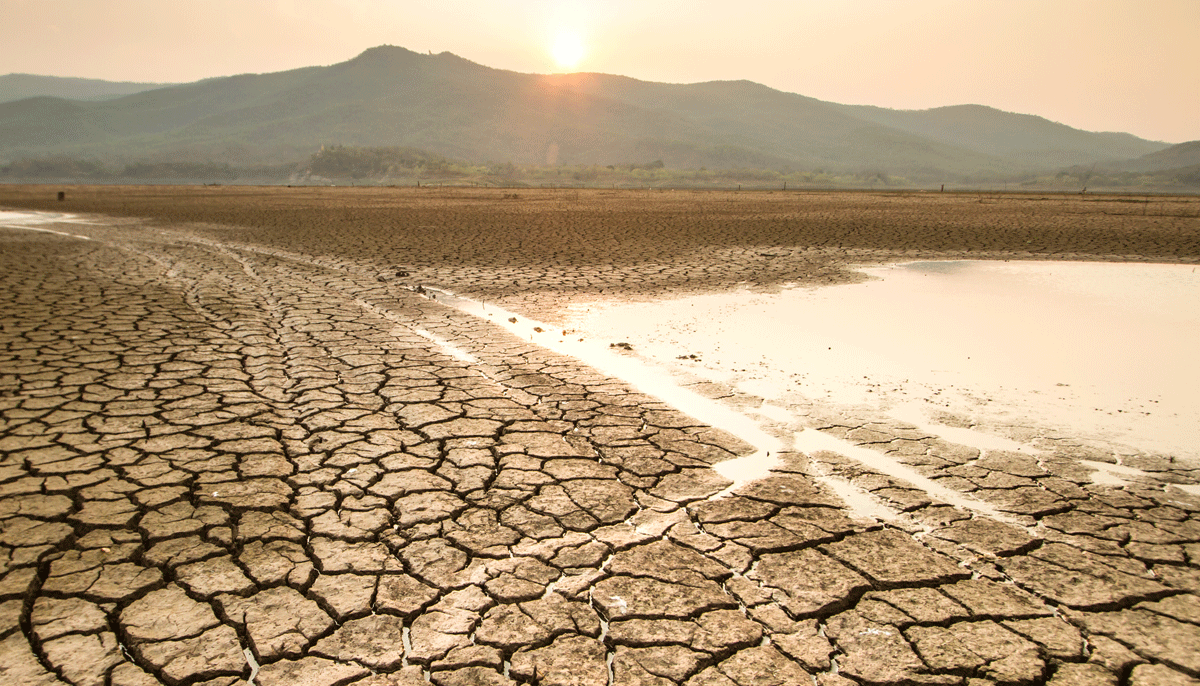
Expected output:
(179, 170)
(339, 161)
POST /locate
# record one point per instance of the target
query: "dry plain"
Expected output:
(239, 445)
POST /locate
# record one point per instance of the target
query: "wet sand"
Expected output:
(240, 443)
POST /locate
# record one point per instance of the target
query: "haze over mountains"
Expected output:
(21, 86)
(390, 96)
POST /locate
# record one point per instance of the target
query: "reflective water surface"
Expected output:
(1093, 350)
(35, 221)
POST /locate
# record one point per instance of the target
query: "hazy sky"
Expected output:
(1100, 65)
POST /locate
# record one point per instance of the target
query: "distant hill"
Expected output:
(1022, 139)
(1174, 157)
(21, 86)
(390, 96)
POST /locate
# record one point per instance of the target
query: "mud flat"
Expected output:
(244, 439)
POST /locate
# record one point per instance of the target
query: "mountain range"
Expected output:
(22, 86)
(390, 96)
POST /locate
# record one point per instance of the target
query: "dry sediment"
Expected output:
(246, 449)
(539, 246)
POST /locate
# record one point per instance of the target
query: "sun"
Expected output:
(567, 50)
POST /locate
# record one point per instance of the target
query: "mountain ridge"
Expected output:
(1178, 156)
(21, 86)
(448, 105)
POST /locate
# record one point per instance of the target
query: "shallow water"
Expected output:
(36, 221)
(809, 441)
(1093, 350)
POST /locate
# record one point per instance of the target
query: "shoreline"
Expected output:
(530, 251)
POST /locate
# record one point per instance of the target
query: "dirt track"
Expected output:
(236, 436)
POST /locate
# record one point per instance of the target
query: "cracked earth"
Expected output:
(227, 462)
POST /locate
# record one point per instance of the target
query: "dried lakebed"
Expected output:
(227, 463)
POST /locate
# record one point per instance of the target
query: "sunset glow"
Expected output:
(567, 50)
(1025, 56)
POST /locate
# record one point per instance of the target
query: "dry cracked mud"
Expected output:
(225, 460)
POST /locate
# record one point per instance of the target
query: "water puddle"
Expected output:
(918, 417)
(1093, 350)
(1099, 351)
(860, 503)
(1107, 474)
(254, 667)
(447, 347)
(34, 221)
(810, 441)
(743, 470)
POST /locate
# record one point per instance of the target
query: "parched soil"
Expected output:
(236, 445)
(495, 243)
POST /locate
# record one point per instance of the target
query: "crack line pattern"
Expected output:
(222, 464)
